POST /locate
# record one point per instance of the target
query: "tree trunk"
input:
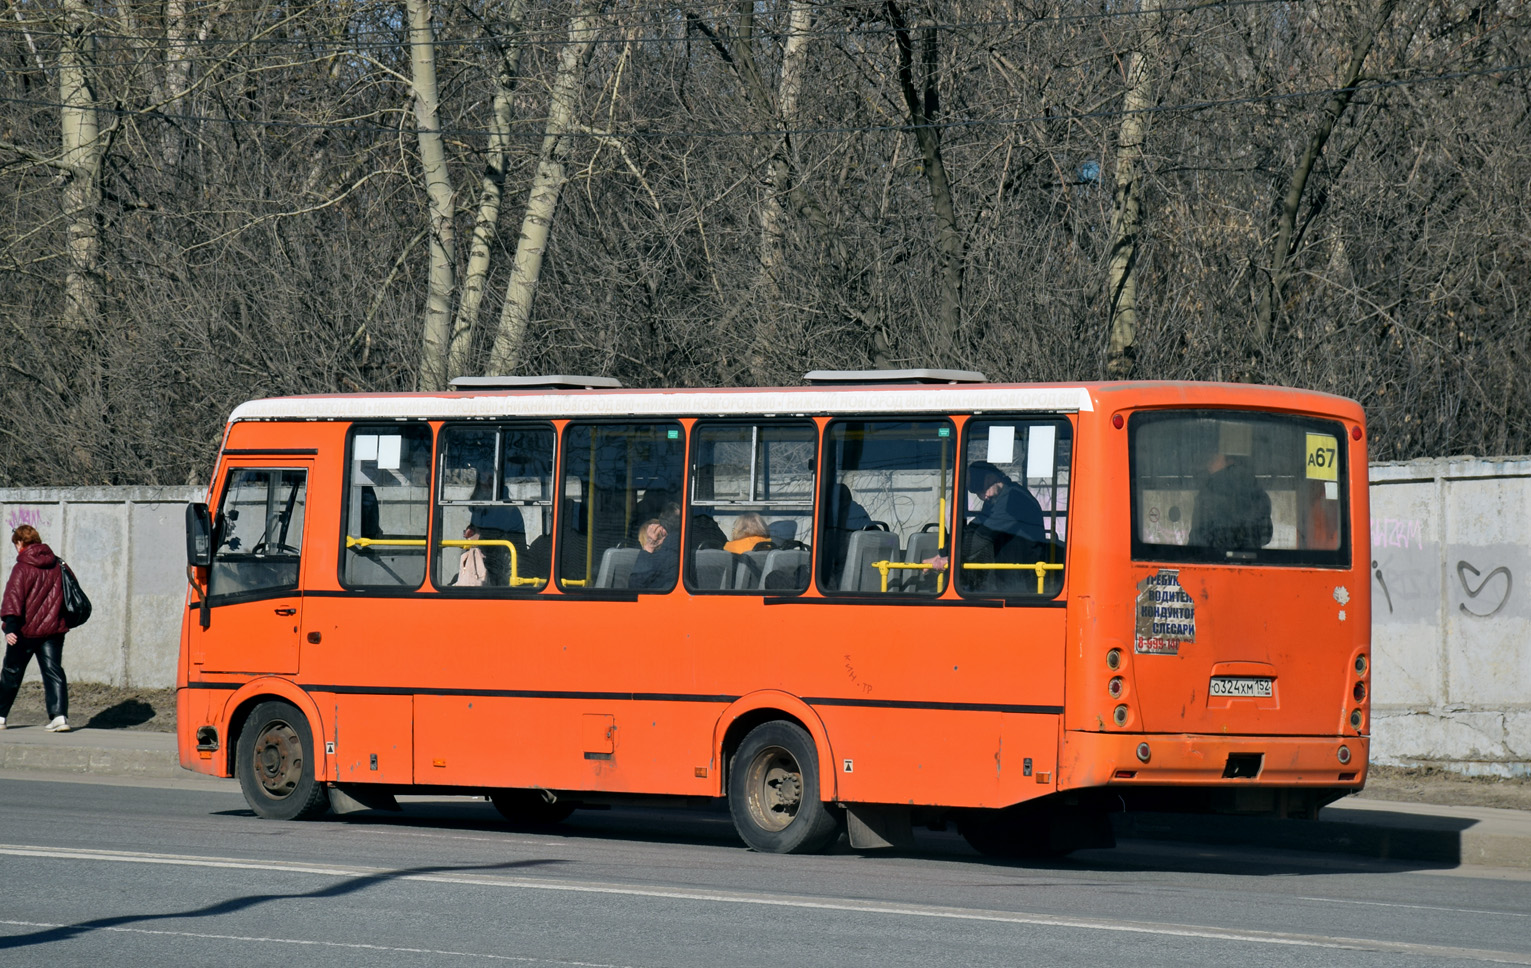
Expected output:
(1127, 200)
(1286, 227)
(547, 185)
(434, 371)
(490, 194)
(923, 107)
(81, 160)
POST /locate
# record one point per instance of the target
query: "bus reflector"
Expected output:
(701, 772)
(1144, 752)
(1344, 754)
(1126, 774)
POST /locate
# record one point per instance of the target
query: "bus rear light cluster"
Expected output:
(1344, 755)
(1359, 691)
(1115, 687)
(1120, 714)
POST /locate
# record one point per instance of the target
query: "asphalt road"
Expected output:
(110, 873)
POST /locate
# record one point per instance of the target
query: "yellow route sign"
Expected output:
(1323, 458)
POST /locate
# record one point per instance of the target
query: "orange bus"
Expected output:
(879, 600)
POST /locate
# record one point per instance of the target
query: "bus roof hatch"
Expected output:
(863, 377)
(560, 381)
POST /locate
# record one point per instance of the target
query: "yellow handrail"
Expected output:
(515, 579)
(1041, 568)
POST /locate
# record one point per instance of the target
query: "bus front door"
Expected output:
(255, 607)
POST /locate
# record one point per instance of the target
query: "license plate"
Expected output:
(1252, 686)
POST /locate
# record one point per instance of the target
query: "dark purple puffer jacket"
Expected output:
(34, 596)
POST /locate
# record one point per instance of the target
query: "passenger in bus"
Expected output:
(658, 562)
(472, 572)
(1006, 530)
(498, 522)
(1233, 512)
(844, 518)
(750, 531)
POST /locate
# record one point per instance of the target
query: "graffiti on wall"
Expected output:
(1474, 587)
(16, 517)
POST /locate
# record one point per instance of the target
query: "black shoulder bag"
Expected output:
(76, 604)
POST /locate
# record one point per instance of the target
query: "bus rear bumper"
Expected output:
(1190, 759)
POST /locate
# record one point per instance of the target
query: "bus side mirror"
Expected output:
(199, 536)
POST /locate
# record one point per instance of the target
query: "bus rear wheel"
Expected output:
(529, 808)
(275, 764)
(773, 792)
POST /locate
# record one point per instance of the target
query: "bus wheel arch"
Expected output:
(251, 695)
(748, 712)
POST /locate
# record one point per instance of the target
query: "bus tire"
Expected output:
(275, 764)
(529, 808)
(773, 792)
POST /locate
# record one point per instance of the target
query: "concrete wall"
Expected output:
(127, 547)
(1451, 600)
(1451, 614)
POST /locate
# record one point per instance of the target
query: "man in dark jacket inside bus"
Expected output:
(32, 616)
(1006, 530)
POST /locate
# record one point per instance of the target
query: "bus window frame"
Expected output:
(690, 509)
(1143, 552)
(1058, 599)
(825, 481)
(387, 591)
(434, 575)
(591, 593)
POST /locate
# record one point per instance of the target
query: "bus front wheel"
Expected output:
(773, 792)
(275, 764)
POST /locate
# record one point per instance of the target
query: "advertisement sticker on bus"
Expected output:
(1165, 615)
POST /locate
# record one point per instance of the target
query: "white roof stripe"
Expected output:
(901, 399)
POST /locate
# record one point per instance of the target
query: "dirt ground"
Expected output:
(101, 707)
(106, 707)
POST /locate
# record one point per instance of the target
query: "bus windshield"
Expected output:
(1238, 487)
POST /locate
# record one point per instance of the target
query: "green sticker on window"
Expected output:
(673, 434)
(944, 432)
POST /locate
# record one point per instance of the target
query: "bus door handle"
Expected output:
(287, 611)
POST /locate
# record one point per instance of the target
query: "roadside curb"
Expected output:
(116, 753)
(1375, 829)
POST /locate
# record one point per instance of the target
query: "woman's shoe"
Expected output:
(58, 725)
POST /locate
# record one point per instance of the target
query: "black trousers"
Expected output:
(50, 659)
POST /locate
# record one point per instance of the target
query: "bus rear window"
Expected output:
(1238, 487)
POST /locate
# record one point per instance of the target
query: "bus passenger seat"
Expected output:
(782, 532)
(713, 569)
(616, 566)
(785, 570)
(866, 547)
(751, 569)
(922, 545)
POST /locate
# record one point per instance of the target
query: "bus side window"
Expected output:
(494, 507)
(751, 507)
(886, 506)
(387, 503)
(617, 480)
(1016, 488)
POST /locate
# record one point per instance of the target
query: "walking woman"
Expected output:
(32, 615)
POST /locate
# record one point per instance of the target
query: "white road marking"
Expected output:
(789, 901)
(1416, 907)
(328, 944)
